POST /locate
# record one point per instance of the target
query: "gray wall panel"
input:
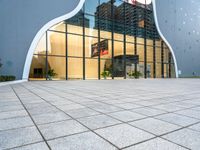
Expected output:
(20, 21)
(179, 21)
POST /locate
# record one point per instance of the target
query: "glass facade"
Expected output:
(111, 36)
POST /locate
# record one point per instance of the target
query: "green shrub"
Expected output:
(136, 74)
(105, 74)
(7, 78)
(51, 73)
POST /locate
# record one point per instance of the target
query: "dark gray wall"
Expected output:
(179, 21)
(20, 21)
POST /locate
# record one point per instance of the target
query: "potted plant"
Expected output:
(135, 75)
(105, 74)
(51, 73)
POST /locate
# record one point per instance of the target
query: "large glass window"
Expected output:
(113, 37)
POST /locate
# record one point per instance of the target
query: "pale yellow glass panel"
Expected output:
(149, 54)
(75, 45)
(58, 64)
(140, 40)
(75, 68)
(118, 48)
(130, 49)
(158, 54)
(130, 39)
(91, 71)
(140, 52)
(91, 32)
(41, 46)
(59, 27)
(57, 44)
(75, 29)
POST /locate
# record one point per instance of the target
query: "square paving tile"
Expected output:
(37, 146)
(70, 107)
(156, 144)
(190, 113)
(185, 137)
(104, 108)
(14, 123)
(42, 110)
(19, 137)
(84, 112)
(13, 114)
(127, 116)
(83, 141)
(128, 105)
(62, 128)
(195, 127)
(123, 135)
(155, 126)
(168, 107)
(177, 119)
(148, 111)
(99, 121)
(50, 117)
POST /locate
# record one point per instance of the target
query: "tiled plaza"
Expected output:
(101, 115)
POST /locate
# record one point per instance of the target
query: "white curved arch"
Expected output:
(41, 32)
(162, 36)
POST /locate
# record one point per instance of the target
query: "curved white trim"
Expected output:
(41, 33)
(162, 36)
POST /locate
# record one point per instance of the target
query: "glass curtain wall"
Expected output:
(110, 39)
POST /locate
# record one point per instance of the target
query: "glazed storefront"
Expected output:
(105, 36)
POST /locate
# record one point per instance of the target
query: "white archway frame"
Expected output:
(163, 37)
(69, 15)
(41, 32)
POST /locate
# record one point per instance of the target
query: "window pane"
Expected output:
(59, 27)
(91, 6)
(140, 52)
(75, 24)
(118, 48)
(38, 68)
(158, 54)
(158, 70)
(91, 47)
(105, 48)
(41, 46)
(91, 71)
(149, 70)
(149, 54)
(57, 44)
(91, 26)
(130, 49)
(57, 68)
(106, 65)
(75, 68)
(75, 45)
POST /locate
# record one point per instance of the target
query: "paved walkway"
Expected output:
(101, 115)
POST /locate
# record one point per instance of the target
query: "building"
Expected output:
(85, 38)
